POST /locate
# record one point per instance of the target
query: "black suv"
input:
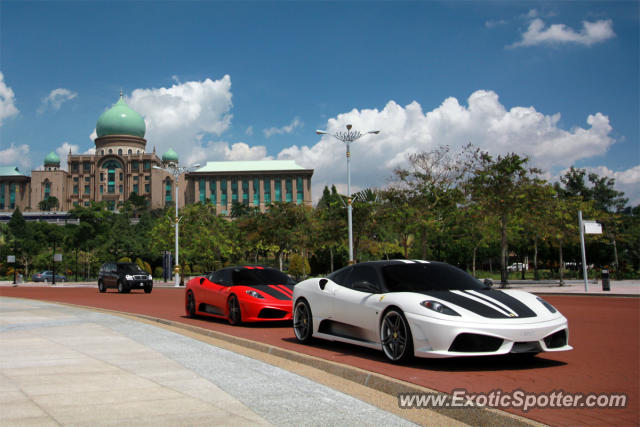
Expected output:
(124, 276)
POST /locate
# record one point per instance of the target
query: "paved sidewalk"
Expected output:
(61, 365)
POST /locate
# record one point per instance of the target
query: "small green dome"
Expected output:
(170, 156)
(52, 159)
(120, 120)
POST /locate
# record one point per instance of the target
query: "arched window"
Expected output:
(130, 151)
(120, 151)
(47, 189)
(102, 152)
(110, 151)
(111, 166)
(168, 186)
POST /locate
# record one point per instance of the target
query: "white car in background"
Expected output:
(412, 308)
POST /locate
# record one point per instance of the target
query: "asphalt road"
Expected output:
(604, 331)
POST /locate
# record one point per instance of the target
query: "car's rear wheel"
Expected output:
(190, 307)
(302, 321)
(235, 315)
(395, 336)
(101, 286)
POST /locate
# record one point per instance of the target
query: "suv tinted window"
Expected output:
(130, 268)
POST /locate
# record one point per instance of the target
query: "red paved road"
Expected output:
(605, 332)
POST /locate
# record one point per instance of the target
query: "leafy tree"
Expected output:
(48, 204)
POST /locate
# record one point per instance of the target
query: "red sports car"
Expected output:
(241, 294)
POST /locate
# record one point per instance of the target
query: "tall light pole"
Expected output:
(348, 137)
(176, 170)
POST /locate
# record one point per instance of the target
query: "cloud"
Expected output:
(484, 121)
(7, 101)
(216, 151)
(16, 155)
(295, 123)
(492, 23)
(249, 131)
(591, 33)
(180, 117)
(55, 99)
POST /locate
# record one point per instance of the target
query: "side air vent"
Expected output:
(557, 339)
(271, 313)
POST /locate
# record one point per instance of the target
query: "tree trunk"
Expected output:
(331, 257)
(560, 269)
(504, 278)
(615, 253)
(475, 248)
(536, 273)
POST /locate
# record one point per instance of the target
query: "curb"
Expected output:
(391, 386)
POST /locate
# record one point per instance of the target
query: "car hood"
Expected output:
(280, 292)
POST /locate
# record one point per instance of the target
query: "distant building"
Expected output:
(121, 167)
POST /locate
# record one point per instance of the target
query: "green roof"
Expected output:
(170, 156)
(52, 159)
(120, 120)
(10, 171)
(251, 166)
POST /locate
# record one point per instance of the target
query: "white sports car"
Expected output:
(426, 309)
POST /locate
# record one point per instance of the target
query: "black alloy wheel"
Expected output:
(303, 321)
(101, 286)
(235, 315)
(395, 336)
(191, 305)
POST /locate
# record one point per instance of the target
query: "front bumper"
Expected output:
(257, 311)
(138, 284)
(436, 338)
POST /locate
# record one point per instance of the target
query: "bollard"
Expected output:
(606, 285)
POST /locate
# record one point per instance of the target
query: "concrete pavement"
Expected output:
(61, 365)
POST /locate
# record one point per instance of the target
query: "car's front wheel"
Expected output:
(122, 288)
(235, 315)
(101, 286)
(190, 307)
(302, 321)
(395, 336)
(147, 289)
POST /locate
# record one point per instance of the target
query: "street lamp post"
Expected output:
(176, 171)
(348, 137)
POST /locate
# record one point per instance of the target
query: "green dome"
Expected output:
(120, 120)
(170, 156)
(52, 159)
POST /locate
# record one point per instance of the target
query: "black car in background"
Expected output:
(124, 276)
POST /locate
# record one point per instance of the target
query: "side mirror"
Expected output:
(488, 282)
(364, 286)
(323, 283)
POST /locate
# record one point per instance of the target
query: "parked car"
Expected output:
(47, 276)
(517, 266)
(247, 293)
(410, 308)
(124, 276)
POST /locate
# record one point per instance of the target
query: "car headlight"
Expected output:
(150, 277)
(254, 294)
(128, 277)
(438, 307)
(547, 305)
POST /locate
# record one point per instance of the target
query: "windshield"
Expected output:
(263, 276)
(428, 277)
(131, 268)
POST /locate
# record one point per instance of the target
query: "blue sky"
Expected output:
(557, 81)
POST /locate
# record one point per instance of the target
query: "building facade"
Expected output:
(121, 167)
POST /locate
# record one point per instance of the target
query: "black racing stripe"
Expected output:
(514, 304)
(487, 300)
(272, 291)
(467, 303)
(286, 289)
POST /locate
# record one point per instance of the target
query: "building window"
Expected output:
(212, 189)
(102, 152)
(121, 176)
(299, 191)
(101, 176)
(135, 188)
(101, 189)
(267, 191)
(130, 151)
(223, 194)
(147, 188)
(120, 151)
(136, 178)
(47, 189)
(120, 188)
(12, 196)
(203, 190)
(1, 195)
(278, 190)
(234, 191)
(86, 203)
(75, 204)
(167, 190)
(289, 190)
(87, 179)
(74, 167)
(110, 151)
(256, 192)
(146, 165)
(111, 167)
(134, 166)
(75, 189)
(86, 167)
(87, 189)
(146, 177)
(245, 192)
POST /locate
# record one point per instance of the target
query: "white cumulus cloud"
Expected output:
(484, 121)
(55, 99)
(7, 101)
(16, 155)
(295, 123)
(180, 116)
(592, 32)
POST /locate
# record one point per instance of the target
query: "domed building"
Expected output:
(121, 167)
